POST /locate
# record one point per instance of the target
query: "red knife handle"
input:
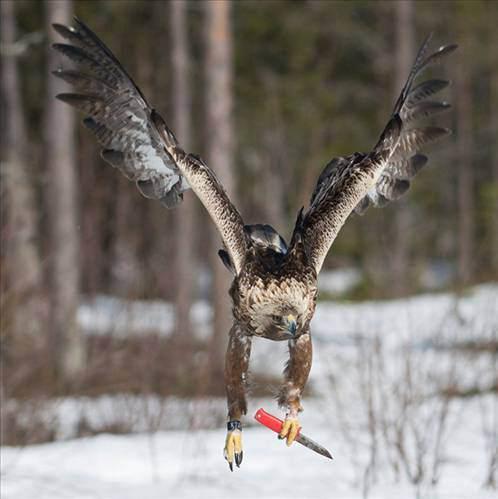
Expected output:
(268, 420)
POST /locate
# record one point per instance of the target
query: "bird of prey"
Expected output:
(274, 286)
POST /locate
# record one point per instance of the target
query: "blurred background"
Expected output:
(114, 311)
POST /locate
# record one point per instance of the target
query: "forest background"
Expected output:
(267, 92)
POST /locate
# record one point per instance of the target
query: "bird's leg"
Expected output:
(295, 377)
(236, 365)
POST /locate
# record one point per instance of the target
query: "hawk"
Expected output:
(274, 286)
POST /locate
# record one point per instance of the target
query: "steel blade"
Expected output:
(311, 444)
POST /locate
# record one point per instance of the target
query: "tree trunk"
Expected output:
(219, 157)
(404, 42)
(272, 187)
(92, 259)
(494, 133)
(67, 343)
(184, 214)
(125, 277)
(466, 222)
(21, 277)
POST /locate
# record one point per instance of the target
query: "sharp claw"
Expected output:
(233, 448)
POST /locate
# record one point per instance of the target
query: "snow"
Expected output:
(422, 317)
(103, 314)
(340, 281)
(189, 464)
(175, 448)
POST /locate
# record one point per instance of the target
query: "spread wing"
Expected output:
(360, 180)
(136, 139)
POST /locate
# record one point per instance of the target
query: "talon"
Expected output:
(289, 430)
(233, 448)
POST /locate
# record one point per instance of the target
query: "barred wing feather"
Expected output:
(136, 139)
(383, 175)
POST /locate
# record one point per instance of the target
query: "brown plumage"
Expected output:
(274, 287)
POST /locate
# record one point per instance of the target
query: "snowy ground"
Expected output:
(181, 464)
(359, 375)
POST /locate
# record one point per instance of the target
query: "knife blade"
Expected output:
(275, 424)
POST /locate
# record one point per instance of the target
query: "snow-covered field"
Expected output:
(374, 403)
(189, 464)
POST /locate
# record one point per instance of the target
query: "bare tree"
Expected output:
(61, 198)
(20, 297)
(494, 131)
(404, 42)
(219, 152)
(271, 163)
(489, 424)
(125, 274)
(404, 417)
(184, 216)
(21, 282)
(465, 146)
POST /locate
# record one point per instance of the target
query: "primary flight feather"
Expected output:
(275, 285)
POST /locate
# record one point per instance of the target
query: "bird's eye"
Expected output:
(276, 318)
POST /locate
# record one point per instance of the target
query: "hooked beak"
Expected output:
(291, 324)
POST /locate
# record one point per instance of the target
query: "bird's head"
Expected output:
(285, 322)
(280, 310)
(280, 325)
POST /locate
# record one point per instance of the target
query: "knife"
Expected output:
(275, 424)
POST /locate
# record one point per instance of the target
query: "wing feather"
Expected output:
(424, 90)
(415, 138)
(135, 138)
(423, 110)
(383, 175)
